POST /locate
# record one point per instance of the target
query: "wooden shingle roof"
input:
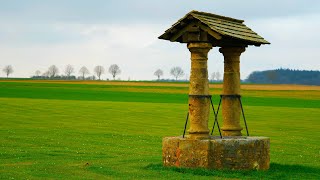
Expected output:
(220, 28)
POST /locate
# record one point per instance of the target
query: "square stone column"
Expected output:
(231, 89)
(199, 98)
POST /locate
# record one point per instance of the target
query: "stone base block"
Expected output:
(237, 153)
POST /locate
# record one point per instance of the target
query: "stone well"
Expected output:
(201, 32)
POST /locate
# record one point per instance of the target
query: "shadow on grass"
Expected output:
(276, 171)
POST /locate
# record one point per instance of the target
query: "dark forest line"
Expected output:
(285, 76)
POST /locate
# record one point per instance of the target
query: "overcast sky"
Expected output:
(35, 34)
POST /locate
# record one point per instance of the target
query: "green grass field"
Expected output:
(61, 130)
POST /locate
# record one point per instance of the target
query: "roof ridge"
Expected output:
(217, 16)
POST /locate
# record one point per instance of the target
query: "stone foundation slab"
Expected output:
(236, 153)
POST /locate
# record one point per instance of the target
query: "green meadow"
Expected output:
(74, 130)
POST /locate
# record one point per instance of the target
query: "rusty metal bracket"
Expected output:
(214, 112)
(215, 118)
(185, 125)
(244, 118)
(232, 96)
(200, 96)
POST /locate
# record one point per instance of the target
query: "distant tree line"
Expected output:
(215, 77)
(69, 73)
(277, 76)
(285, 76)
(178, 72)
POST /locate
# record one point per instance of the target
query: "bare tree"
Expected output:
(53, 71)
(114, 70)
(218, 75)
(176, 72)
(46, 74)
(99, 70)
(8, 70)
(84, 71)
(158, 73)
(213, 76)
(37, 73)
(69, 70)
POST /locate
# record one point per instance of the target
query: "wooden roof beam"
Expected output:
(181, 32)
(190, 27)
(210, 31)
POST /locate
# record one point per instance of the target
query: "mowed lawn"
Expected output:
(110, 130)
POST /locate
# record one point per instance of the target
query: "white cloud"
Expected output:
(138, 52)
(294, 44)
(135, 48)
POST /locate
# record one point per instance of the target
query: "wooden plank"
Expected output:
(234, 31)
(181, 32)
(204, 36)
(210, 31)
(193, 36)
(228, 26)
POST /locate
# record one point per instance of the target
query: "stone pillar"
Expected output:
(231, 86)
(199, 102)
